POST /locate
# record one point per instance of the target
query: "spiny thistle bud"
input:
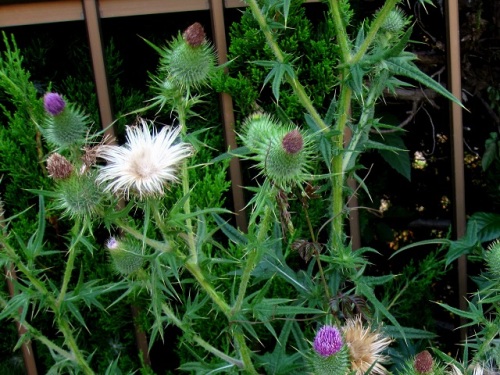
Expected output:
(395, 21)
(189, 60)
(330, 354)
(126, 255)
(79, 195)
(287, 161)
(53, 103)
(258, 130)
(423, 362)
(493, 258)
(59, 167)
(194, 35)
(66, 125)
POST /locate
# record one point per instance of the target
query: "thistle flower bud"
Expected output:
(53, 103)
(59, 167)
(493, 258)
(79, 195)
(194, 35)
(287, 160)
(395, 21)
(330, 354)
(258, 131)
(65, 125)
(423, 362)
(283, 154)
(190, 60)
(126, 255)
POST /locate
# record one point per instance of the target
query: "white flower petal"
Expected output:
(145, 163)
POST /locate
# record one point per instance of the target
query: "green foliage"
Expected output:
(252, 65)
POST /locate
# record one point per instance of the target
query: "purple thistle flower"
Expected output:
(328, 341)
(112, 243)
(53, 103)
(293, 142)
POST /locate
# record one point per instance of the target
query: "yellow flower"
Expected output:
(365, 347)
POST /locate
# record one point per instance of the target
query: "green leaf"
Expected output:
(366, 291)
(401, 66)
(464, 245)
(487, 226)
(410, 333)
(490, 151)
(231, 232)
(398, 160)
(439, 241)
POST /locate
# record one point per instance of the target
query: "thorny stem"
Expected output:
(252, 259)
(37, 334)
(77, 355)
(70, 264)
(161, 246)
(209, 289)
(244, 352)
(186, 190)
(197, 339)
(316, 253)
(374, 28)
(297, 87)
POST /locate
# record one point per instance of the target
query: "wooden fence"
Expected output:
(26, 12)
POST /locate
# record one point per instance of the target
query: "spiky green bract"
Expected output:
(337, 363)
(126, 255)
(395, 22)
(66, 129)
(283, 153)
(79, 196)
(493, 258)
(187, 65)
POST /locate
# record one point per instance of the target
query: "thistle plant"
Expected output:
(182, 261)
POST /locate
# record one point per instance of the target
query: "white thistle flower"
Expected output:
(145, 163)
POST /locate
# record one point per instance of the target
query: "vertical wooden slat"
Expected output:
(219, 34)
(455, 84)
(91, 14)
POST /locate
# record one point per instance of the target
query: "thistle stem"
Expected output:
(297, 87)
(209, 289)
(77, 355)
(374, 28)
(186, 190)
(197, 339)
(251, 261)
(70, 264)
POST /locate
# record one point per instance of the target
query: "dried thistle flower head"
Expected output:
(194, 35)
(59, 167)
(145, 164)
(365, 347)
(423, 362)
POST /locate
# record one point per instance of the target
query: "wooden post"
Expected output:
(226, 102)
(455, 84)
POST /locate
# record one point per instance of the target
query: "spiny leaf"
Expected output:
(400, 66)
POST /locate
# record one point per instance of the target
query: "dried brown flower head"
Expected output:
(365, 347)
(194, 35)
(59, 167)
